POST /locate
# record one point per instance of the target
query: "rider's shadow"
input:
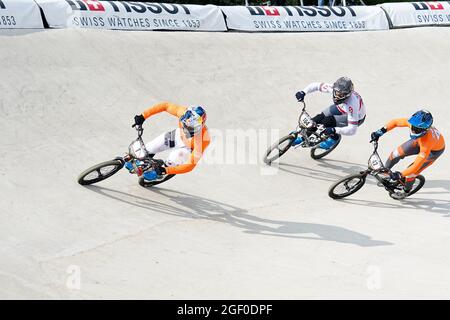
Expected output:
(436, 184)
(439, 206)
(344, 167)
(431, 205)
(187, 205)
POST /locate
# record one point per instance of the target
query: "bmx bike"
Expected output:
(311, 139)
(137, 155)
(352, 183)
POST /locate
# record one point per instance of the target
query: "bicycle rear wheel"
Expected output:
(418, 184)
(347, 186)
(152, 183)
(318, 153)
(100, 172)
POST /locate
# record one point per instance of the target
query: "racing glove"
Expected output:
(139, 120)
(374, 136)
(300, 96)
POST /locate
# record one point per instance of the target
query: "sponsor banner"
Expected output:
(20, 14)
(305, 18)
(411, 14)
(130, 15)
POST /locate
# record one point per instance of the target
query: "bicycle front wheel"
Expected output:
(347, 186)
(100, 172)
(278, 149)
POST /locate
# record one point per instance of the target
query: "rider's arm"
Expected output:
(199, 147)
(417, 164)
(318, 86)
(349, 130)
(173, 109)
(400, 122)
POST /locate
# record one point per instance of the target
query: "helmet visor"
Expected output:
(417, 130)
(339, 95)
(192, 121)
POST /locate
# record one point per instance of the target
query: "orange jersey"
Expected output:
(431, 141)
(198, 143)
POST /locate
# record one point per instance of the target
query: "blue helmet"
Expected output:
(420, 122)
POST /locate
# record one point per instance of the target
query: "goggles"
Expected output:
(417, 130)
(339, 94)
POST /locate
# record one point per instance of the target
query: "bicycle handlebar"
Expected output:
(138, 128)
(375, 144)
(304, 104)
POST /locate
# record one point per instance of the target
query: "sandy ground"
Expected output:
(231, 229)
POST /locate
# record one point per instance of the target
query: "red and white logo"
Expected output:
(435, 6)
(271, 11)
(428, 5)
(94, 5)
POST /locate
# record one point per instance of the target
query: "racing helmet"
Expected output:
(342, 89)
(420, 122)
(193, 119)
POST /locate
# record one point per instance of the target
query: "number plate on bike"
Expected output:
(375, 162)
(137, 150)
(306, 121)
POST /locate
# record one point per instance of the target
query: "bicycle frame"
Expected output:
(138, 151)
(305, 123)
(376, 168)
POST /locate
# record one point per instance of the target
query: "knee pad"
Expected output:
(318, 118)
(169, 139)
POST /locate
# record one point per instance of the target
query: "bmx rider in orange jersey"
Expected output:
(188, 142)
(425, 141)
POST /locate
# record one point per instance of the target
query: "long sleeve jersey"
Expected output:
(353, 107)
(198, 143)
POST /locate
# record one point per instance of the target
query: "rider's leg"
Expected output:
(334, 118)
(408, 148)
(325, 118)
(331, 117)
(162, 142)
(159, 144)
(319, 118)
(428, 162)
(178, 156)
(166, 141)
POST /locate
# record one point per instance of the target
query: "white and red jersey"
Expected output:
(353, 107)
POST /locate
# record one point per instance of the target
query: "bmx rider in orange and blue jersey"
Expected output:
(425, 141)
